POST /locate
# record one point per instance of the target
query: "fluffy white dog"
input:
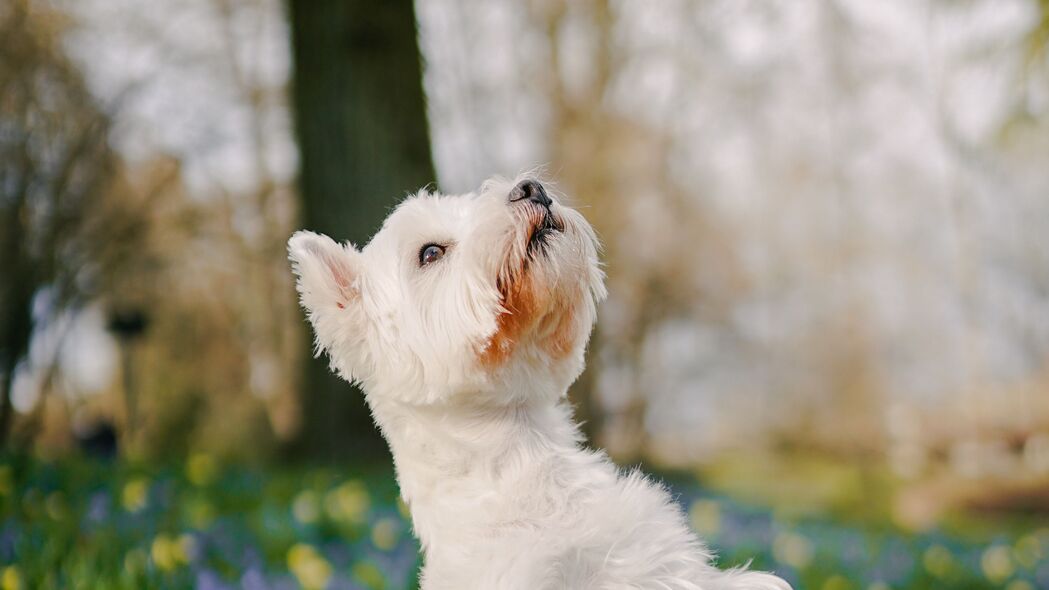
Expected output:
(465, 319)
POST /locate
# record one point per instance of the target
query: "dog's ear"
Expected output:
(327, 272)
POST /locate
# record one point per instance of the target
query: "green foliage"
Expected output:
(87, 525)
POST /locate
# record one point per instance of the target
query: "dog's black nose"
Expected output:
(531, 190)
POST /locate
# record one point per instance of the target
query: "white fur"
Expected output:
(467, 382)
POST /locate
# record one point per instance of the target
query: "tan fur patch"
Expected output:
(524, 307)
(520, 305)
(561, 340)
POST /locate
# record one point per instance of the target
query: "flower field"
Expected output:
(94, 525)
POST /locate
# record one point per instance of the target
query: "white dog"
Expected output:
(465, 319)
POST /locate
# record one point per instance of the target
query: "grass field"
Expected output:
(96, 525)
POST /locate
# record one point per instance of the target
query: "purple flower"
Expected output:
(98, 507)
(209, 580)
(253, 579)
(1041, 576)
(8, 536)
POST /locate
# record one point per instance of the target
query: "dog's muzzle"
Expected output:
(530, 193)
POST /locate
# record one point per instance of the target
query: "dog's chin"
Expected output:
(543, 231)
(537, 227)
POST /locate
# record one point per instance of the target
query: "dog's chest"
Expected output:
(462, 501)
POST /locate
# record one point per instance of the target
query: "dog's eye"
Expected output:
(430, 253)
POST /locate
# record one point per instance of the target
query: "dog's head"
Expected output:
(487, 296)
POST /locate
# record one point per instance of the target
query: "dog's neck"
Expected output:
(453, 442)
(462, 463)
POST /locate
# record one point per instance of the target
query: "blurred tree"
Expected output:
(607, 156)
(205, 260)
(361, 122)
(54, 161)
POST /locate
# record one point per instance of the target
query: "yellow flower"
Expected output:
(165, 552)
(385, 533)
(135, 494)
(348, 502)
(1028, 551)
(201, 469)
(11, 579)
(305, 507)
(169, 552)
(997, 564)
(792, 549)
(311, 569)
(938, 560)
(706, 517)
(1019, 585)
(369, 575)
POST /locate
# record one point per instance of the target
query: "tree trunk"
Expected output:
(16, 296)
(361, 122)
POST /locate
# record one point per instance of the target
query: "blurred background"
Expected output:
(825, 228)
